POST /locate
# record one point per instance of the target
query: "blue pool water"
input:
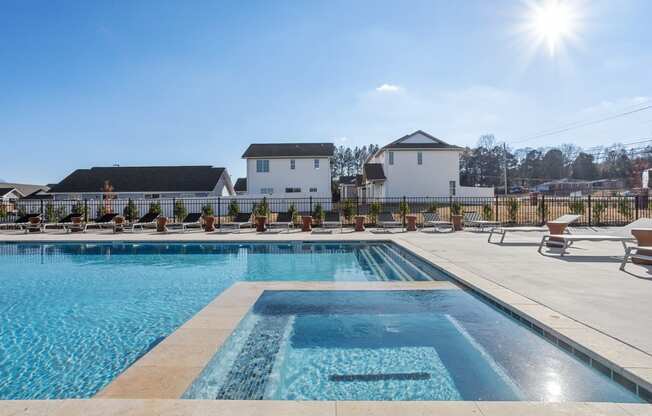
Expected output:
(73, 316)
(400, 345)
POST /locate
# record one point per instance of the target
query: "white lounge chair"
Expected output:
(331, 220)
(283, 220)
(192, 220)
(564, 219)
(386, 221)
(622, 235)
(240, 220)
(633, 254)
(433, 219)
(474, 220)
(146, 221)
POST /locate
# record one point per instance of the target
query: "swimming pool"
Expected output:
(73, 316)
(393, 345)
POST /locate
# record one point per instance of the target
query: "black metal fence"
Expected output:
(510, 210)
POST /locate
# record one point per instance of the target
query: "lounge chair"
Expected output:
(622, 235)
(386, 221)
(564, 219)
(20, 222)
(433, 219)
(240, 220)
(634, 254)
(331, 220)
(283, 220)
(192, 220)
(62, 223)
(105, 220)
(474, 220)
(147, 220)
(34, 224)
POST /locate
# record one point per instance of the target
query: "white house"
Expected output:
(144, 182)
(288, 170)
(416, 165)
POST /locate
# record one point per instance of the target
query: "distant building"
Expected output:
(417, 164)
(144, 182)
(348, 186)
(567, 186)
(289, 170)
(240, 186)
(23, 188)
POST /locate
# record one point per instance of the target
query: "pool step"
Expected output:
(250, 372)
(379, 377)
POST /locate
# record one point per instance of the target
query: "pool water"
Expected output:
(393, 345)
(74, 316)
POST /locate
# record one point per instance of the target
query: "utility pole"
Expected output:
(505, 167)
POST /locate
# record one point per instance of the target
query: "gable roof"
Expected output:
(374, 172)
(420, 140)
(5, 190)
(23, 188)
(289, 150)
(347, 180)
(141, 179)
(240, 185)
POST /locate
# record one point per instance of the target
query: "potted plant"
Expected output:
(374, 211)
(348, 210)
(261, 212)
(456, 215)
(207, 216)
(318, 214)
(161, 222)
(130, 211)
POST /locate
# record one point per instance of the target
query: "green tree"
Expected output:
(130, 211)
(374, 211)
(207, 210)
(576, 206)
(456, 208)
(553, 164)
(583, 167)
(262, 209)
(54, 213)
(294, 213)
(179, 211)
(155, 208)
(234, 208)
(625, 208)
(487, 212)
(598, 212)
(318, 213)
(512, 209)
(348, 209)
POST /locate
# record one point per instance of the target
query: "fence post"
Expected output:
(636, 202)
(543, 209)
(403, 212)
(41, 209)
(85, 210)
(450, 208)
(496, 204)
(589, 205)
(219, 212)
(357, 205)
(310, 204)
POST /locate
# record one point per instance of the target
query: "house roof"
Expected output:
(39, 194)
(141, 179)
(23, 188)
(289, 150)
(5, 190)
(420, 140)
(240, 185)
(374, 172)
(347, 180)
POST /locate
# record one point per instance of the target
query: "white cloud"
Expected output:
(388, 88)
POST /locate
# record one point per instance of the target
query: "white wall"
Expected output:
(407, 178)
(280, 176)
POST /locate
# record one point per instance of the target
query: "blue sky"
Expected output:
(168, 82)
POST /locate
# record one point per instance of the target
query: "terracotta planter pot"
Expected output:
(555, 228)
(161, 222)
(411, 222)
(643, 239)
(306, 223)
(457, 222)
(118, 224)
(260, 224)
(359, 222)
(209, 223)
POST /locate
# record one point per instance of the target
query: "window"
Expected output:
(419, 158)
(316, 163)
(451, 188)
(292, 164)
(292, 190)
(391, 158)
(262, 165)
(266, 191)
(313, 189)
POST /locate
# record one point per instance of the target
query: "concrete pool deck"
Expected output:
(583, 297)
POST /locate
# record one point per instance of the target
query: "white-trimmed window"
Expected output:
(313, 189)
(292, 190)
(293, 164)
(419, 158)
(316, 163)
(262, 165)
(391, 158)
(266, 191)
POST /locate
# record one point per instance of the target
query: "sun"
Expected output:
(553, 23)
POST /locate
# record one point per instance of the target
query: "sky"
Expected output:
(94, 83)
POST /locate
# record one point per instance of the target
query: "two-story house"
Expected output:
(288, 170)
(417, 164)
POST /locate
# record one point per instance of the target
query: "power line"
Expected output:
(577, 125)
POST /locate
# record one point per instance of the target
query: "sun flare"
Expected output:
(553, 23)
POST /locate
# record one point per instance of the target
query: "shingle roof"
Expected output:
(289, 150)
(141, 179)
(240, 185)
(5, 191)
(347, 180)
(374, 172)
(23, 188)
(435, 144)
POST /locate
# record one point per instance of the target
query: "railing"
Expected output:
(510, 210)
